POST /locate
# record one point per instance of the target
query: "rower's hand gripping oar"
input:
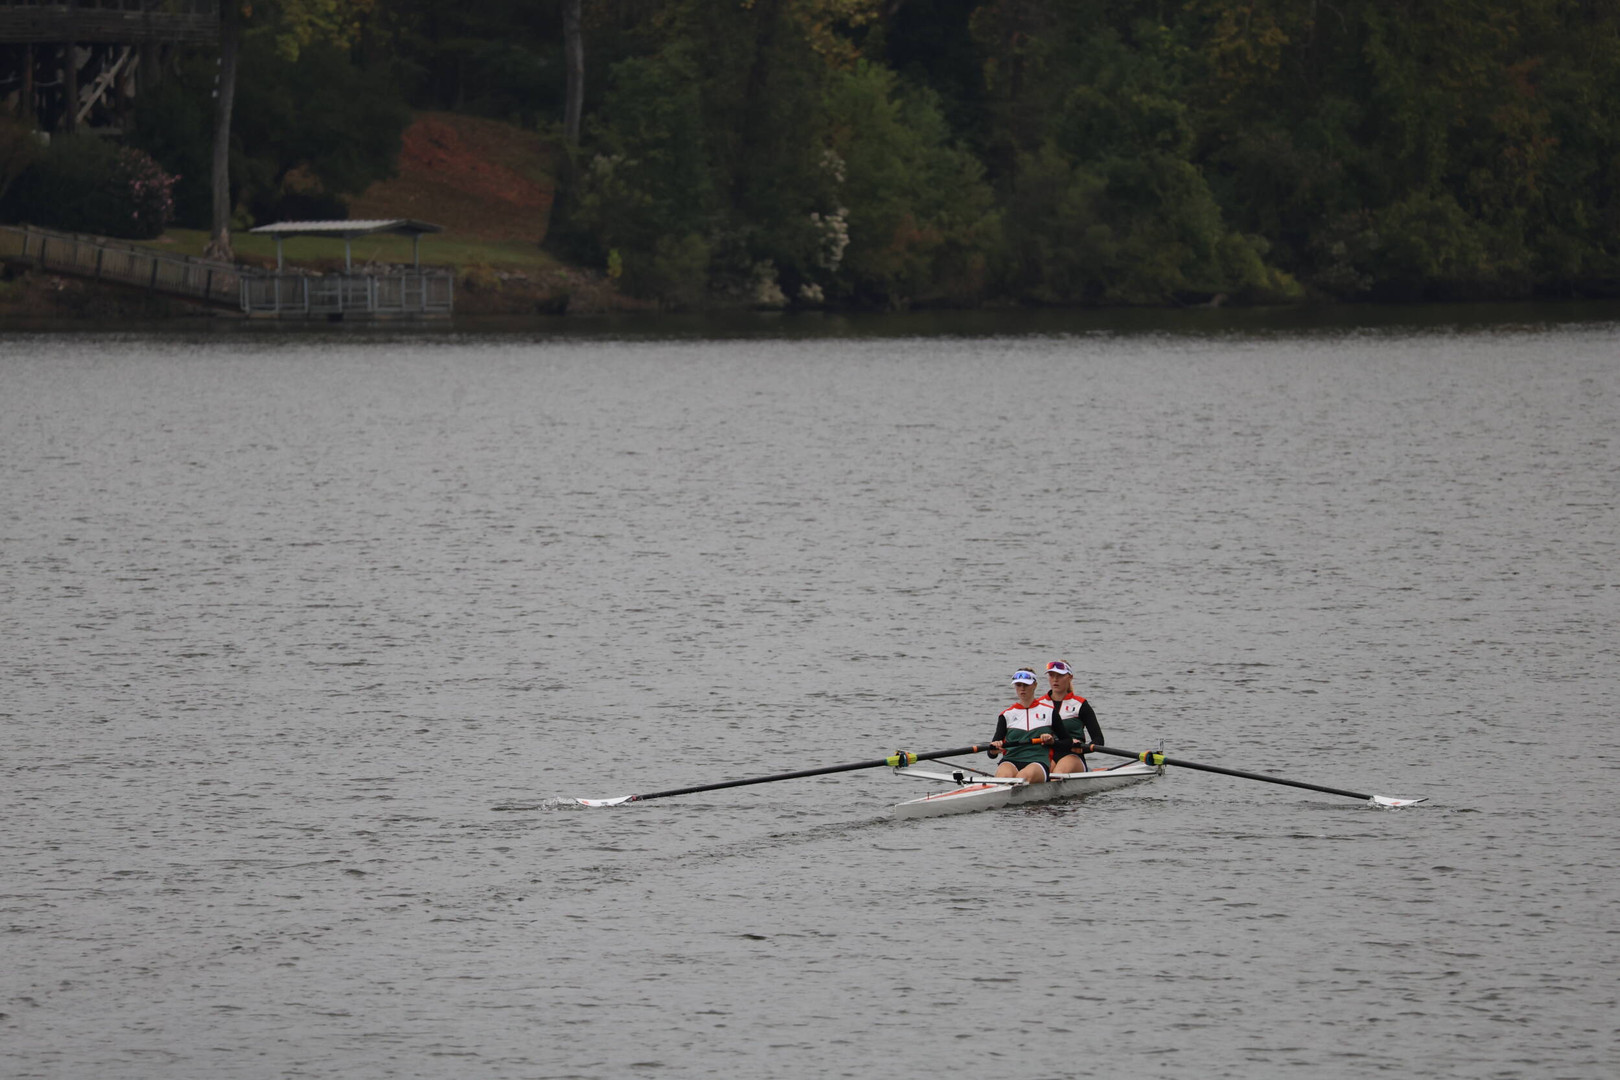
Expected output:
(1153, 757)
(895, 760)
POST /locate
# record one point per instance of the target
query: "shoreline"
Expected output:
(573, 303)
(30, 293)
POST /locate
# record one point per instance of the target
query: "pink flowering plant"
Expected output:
(149, 192)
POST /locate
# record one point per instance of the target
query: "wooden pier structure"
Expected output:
(119, 21)
(217, 284)
(71, 64)
(385, 294)
(279, 294)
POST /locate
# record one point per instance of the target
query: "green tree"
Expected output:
(709, 148)
(916, 220)
(1485, 126)
(321, 117)
(339, 126)
(1109, 204)
(498, 58)
(647, 190)
(290, 25)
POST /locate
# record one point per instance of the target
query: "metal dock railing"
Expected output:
(403, 294)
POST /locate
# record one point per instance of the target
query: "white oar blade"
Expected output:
(1386, 801)
(620, 801)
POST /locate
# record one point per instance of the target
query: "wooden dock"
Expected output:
(398, 294)
(217, 284)
(403, 293)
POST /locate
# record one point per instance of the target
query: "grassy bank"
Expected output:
(448, 250)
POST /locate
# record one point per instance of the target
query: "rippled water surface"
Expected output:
(292, 623)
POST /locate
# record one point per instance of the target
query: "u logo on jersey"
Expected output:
(1070, 707)
(1038, 715)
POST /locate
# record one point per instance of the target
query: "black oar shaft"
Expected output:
(1230, 772)
(878, 764)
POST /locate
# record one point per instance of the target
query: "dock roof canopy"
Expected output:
(347, 231)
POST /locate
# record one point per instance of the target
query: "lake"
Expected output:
(311, 636)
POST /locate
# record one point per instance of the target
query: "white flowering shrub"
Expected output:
(833, 163)
(833, 232)
(767, 291)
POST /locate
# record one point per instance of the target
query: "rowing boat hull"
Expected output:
(1060, 788)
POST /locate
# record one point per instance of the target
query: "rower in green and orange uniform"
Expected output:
(1075, 716)
(1025, 730)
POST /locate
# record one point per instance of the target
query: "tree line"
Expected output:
(901, 152)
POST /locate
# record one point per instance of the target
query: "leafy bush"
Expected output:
(302, 206)
(1138, 230)
(149, 189)
(174, 122)
(83, 184)
(675, 270)
(19, 149)
(1434, 249)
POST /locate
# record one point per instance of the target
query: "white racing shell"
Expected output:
(992, 793)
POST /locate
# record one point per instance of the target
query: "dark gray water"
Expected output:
(285, 619)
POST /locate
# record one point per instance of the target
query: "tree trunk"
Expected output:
(230, 35)
(574, 51)
(149, 72)
(70, 89)
(25, 101)
(757, 132)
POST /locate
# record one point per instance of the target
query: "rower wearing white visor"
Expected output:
(1023, 730)
(1075, 716)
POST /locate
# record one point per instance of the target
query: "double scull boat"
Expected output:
(994, 792)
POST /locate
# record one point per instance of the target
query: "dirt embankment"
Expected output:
(488, 181)
(480, 179)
